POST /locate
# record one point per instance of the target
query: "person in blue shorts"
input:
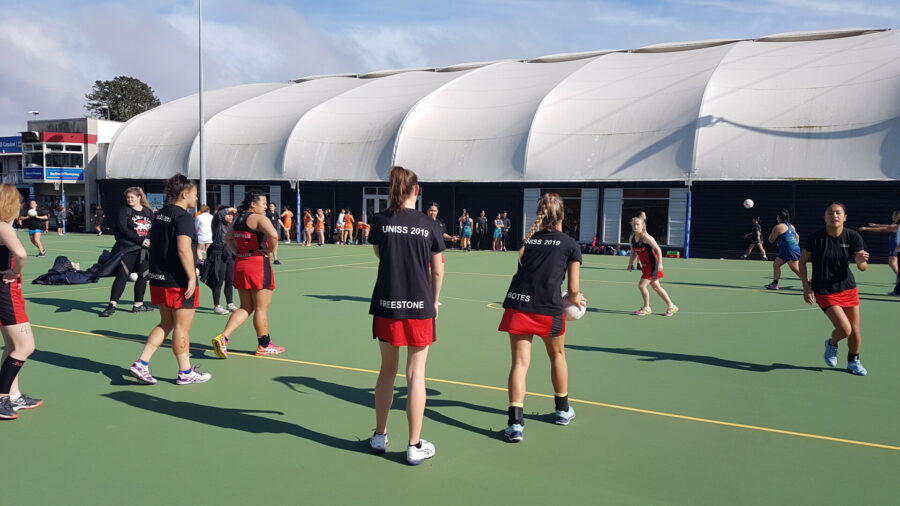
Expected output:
(33, 221)
(786, 238)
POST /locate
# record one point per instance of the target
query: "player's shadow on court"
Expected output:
(69, 305)
(197, 350)
(341, 298)
(244, 420)
(653, 356)
(115, 373)
(608, 311)
(366, 397)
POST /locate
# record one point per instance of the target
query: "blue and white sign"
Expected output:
(33, 173)
(51, 174)
(65, 174)
(11, 144)
(156, 200)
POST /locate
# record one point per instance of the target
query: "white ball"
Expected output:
(572, 311)
(133, 276)
(32, 213)
(748, 203)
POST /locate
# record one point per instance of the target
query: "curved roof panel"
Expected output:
(158, 142)
(475, 128)
(624, 116)
(811, 109)
(247, 140)
(352, 136)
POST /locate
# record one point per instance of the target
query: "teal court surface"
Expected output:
(728, 402)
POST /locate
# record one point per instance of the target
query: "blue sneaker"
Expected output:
(857, 368)
(564, 417)
(515, 433)
(830, 354)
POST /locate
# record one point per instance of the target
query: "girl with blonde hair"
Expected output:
(533, 306)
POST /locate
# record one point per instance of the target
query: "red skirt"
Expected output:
(173, 297)
(647, 273)
(847, 298)
(522, 323)
(253, 273)
(12, 304)
(404, 332)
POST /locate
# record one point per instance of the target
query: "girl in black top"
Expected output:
(404, 306)
(755, 237)
(533, 305)
(218, 269)
(133, 241)
(832, 287)
(272, 215)
(173, 282)
(33, 221)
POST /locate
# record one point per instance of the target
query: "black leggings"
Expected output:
(229, 284)
(131, 262)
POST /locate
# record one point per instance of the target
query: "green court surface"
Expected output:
(728, 402)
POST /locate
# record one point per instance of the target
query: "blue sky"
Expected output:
(53, 50)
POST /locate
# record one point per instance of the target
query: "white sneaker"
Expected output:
(220, 310)
(378, 442)
(415, 456)
(194, 376)
(231, 307)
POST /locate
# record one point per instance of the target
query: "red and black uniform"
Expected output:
(403, 299)
(832, 282)
(533, 303)
(252, 269)
(12, 303)
(168, 281)
(649, 261)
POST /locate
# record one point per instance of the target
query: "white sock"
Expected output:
(15, 397)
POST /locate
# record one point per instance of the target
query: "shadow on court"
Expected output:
(366, 397)
(862, 296)
(69, 305)
(115, 373)
(652, 356)
(197, 350)
(232, 418)
(340, 298)
(608, 311)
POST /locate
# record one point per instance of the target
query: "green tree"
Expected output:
(120, 99)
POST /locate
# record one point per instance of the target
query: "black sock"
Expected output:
(516, 415)
(562, 403)
(8, 372)
(852, 357)
(775, 282)
(264, 340)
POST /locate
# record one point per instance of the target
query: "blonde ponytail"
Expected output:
(550, 211)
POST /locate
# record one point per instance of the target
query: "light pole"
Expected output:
(200, 99)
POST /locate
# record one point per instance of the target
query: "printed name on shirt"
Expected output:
(543, 242)
(158, 277)
(403, 229)
(518, 296)
(402, 304)
(163, 217)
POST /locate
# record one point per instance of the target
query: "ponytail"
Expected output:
(403, 184)
(249, 198)
(550, 211)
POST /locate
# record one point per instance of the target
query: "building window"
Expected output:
(213, 196)
(34, 160)
(655, 203)
(65, 159)
(54, 147)
(73, 147)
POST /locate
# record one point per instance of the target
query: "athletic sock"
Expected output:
(775, 282)
(516, 414)
(264, 341)
(8, 372)
(561, 401)
(15, 397)
(852, 357)
(145, 364)
(417, 445)
(187, 371)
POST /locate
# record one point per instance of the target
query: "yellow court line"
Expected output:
(534, 394)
